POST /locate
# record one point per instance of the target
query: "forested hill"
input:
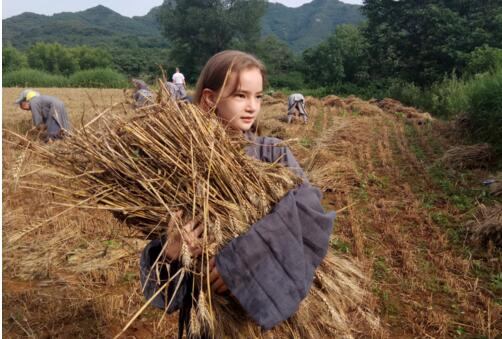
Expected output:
(97, 26)
(300, 27)
(309, 24)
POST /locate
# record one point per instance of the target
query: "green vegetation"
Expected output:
(12, 59)
(98, 77)
(33, 78)
(444, 57)
(485, 109)
(307, 26)
(199, 29)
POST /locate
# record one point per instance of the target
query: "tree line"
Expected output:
(418, 42)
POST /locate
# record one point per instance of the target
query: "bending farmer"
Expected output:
(46, 111)
(296, 102)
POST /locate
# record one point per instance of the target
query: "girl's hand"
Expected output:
(217, 283)
(191, 233)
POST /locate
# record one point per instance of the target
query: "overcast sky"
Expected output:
(124, 7)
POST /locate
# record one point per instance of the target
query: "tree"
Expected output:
(484, 59)
(12, 59)
(52, 58)
(342, 58)
(421, 41)
(91, 57)
(197, 29)
(282, 65)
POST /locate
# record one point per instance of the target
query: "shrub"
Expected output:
(287, 79)
(33, 78)
(449, 97)
(483, 59)
(485, 108)
(98, 77)
(12, 59)
(408, 93)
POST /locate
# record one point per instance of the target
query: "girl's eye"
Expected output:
(259, 97)
(240, 95)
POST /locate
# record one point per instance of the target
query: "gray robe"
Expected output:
(270, 268)
(297, 101)
(51, 112)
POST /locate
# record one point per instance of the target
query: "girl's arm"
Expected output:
(152, 279)
(160, 264)
(271, 267)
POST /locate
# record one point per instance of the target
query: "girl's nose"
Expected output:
(252, 105)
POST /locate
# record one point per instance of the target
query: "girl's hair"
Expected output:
(214, 72)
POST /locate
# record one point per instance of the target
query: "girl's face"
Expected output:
(239, 109)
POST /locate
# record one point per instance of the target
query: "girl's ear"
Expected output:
(208, 99)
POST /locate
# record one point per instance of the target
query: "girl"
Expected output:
(269, 269)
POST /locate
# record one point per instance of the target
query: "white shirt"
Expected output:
(178, 78)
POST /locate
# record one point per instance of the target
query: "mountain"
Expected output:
(309, 24)
(300, 28)
(97, 26)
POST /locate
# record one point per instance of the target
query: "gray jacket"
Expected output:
(283, 247)
(50, 111)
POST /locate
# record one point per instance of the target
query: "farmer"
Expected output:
(172, 89)
(179, 82)
(142, 95)
(270, 268)
(296, 102)
(174, 93)
(47, 112)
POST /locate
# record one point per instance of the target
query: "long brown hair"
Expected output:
(214, 72)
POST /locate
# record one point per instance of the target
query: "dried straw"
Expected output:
(487, 228)
(174, 157)
(462, 157)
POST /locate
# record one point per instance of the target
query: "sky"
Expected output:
(124, 7)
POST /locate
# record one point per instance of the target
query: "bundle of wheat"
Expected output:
(472, 156)
(365, 108)
(175, 157)
(496, 187)
(331, 173)
(487, 228)
(345, 133)
(274, 128)
(312, 101)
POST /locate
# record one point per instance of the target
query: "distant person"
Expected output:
(171, 88)
(179, 82)
(142, 95)
(296, 103)
(46, 111)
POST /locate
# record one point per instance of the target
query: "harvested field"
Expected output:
(75, 273)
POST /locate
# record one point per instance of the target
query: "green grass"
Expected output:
(380, 269)
(305, 142)
(339, 245)
(412, 135)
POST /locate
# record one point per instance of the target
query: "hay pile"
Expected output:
(174, 157)
(396, 107)
(330, 173)
(487, 228)
(496, 187)
(334, 101)
(467, 157)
